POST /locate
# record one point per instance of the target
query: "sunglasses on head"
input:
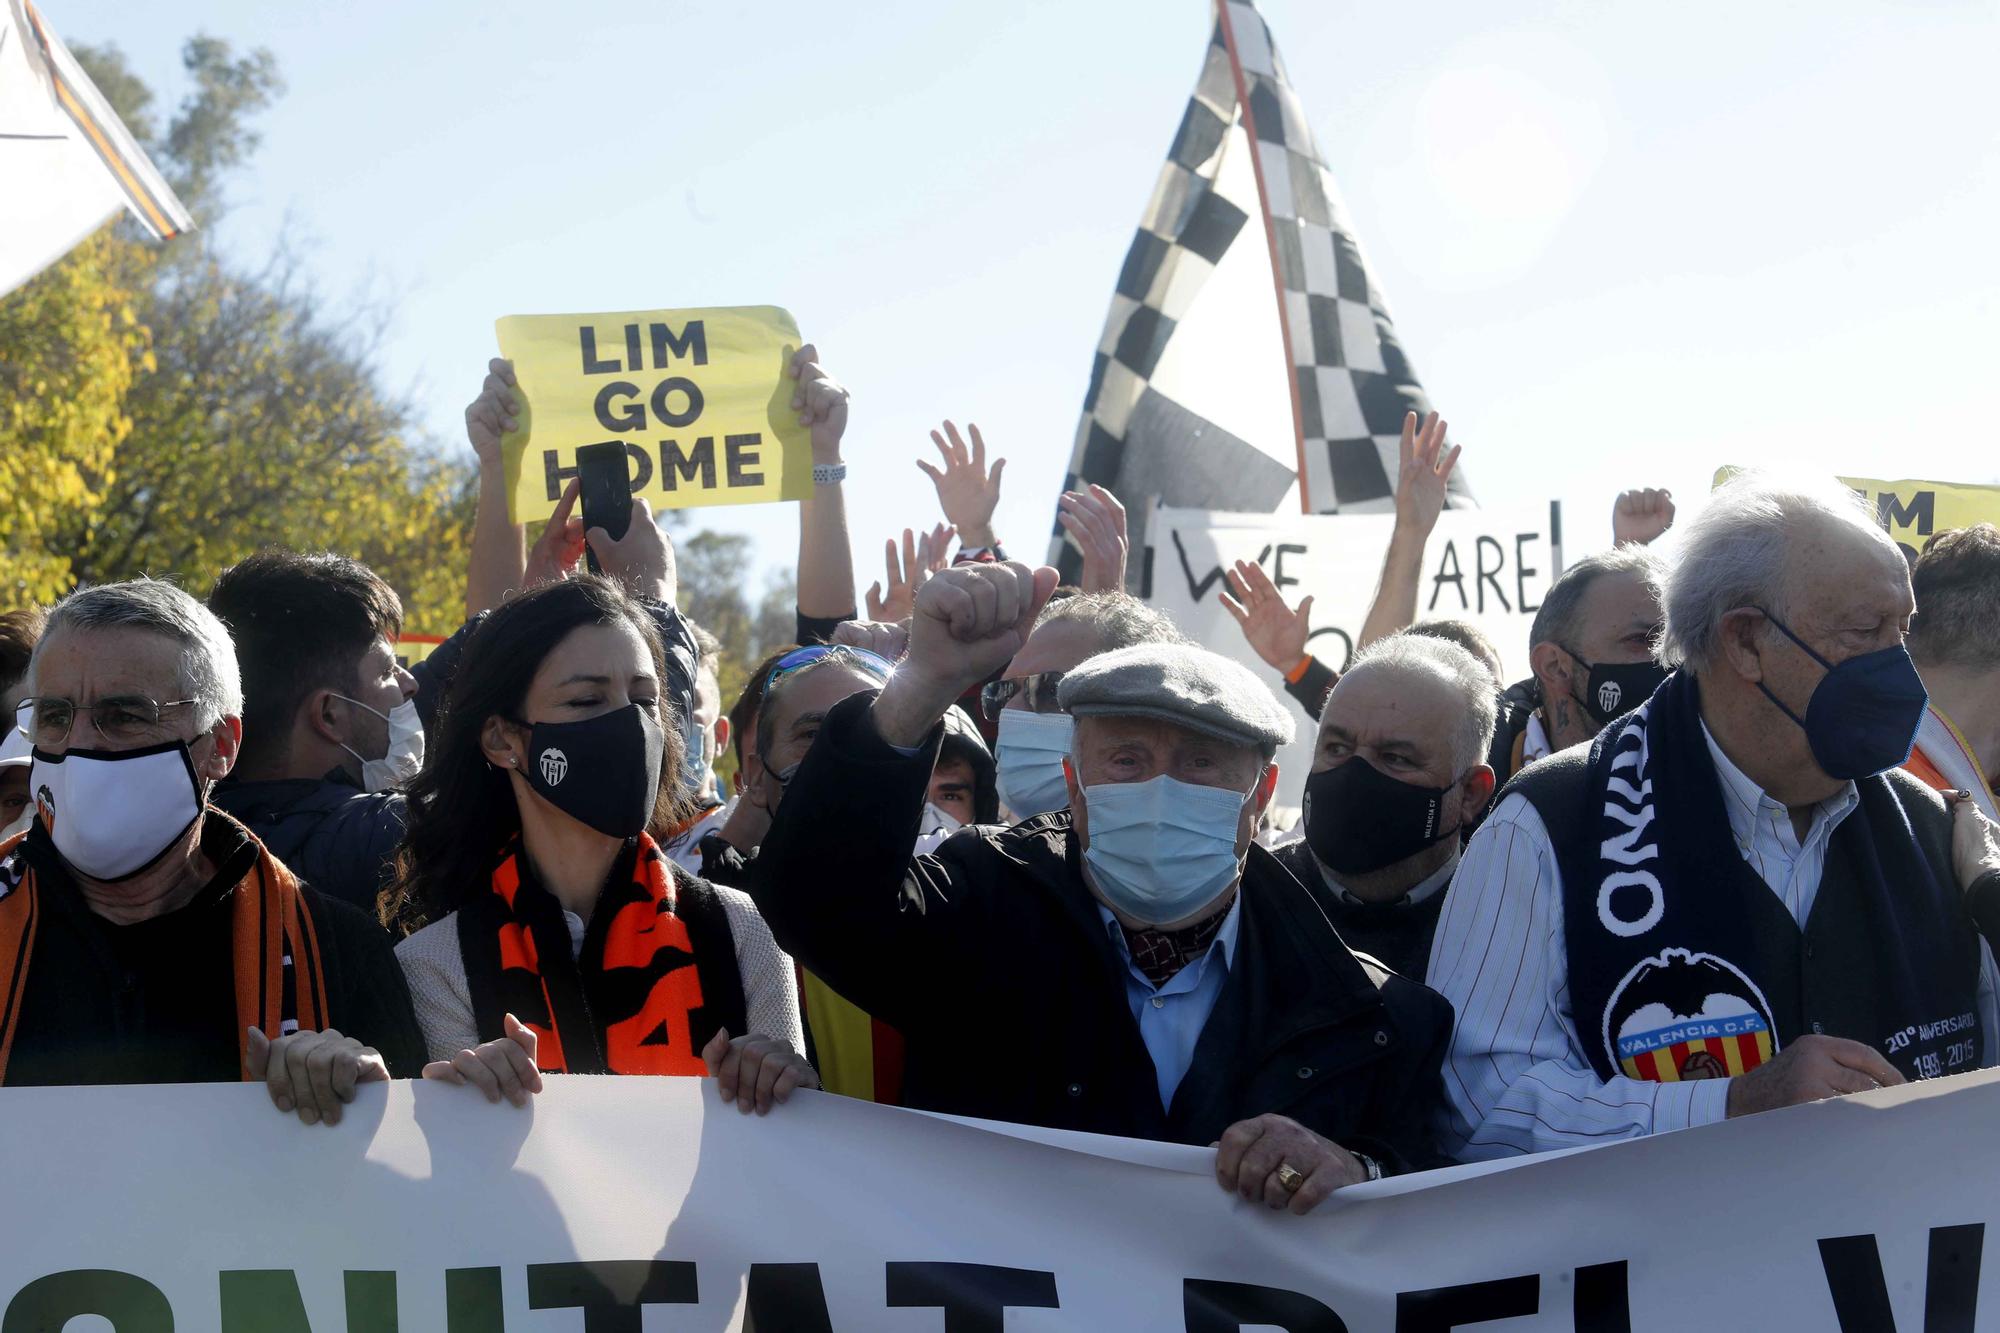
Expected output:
(1037, 693)
(806, 656)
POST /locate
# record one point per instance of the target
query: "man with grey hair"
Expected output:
(1034, 733)
(1732, 900)
(146, 937)
(1591, 651)
(1133, 964)
(1399, 772)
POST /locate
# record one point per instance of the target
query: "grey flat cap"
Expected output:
(1179, 683)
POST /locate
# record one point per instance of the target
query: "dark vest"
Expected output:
(1839, 975)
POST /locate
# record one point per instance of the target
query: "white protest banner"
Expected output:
(201, 1208)
(1487, 566)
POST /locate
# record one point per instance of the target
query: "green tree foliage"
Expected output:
(169, 410)
(71, 345)
(749, 625)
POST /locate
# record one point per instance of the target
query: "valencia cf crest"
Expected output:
(1682, 1015)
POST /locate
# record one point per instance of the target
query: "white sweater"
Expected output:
(443, 999)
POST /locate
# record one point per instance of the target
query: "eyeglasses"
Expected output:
(806, 656)
(1038, 693)
(47, 722)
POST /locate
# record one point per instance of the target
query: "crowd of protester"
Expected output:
(1006, 849)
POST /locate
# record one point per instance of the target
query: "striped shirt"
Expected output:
(1517, 1079)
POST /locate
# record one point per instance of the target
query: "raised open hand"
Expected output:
(1096, 522)
(1275, 631)
(967, 491)
(922, 556)
(1422, 476)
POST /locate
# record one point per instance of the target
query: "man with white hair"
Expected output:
(1731, 900)
(1399, 771)
(1130, 964)
(146, 937)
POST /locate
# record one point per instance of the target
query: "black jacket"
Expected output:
(1518, 703)
(1398, 934)
(991, 958)
(328, 832)
(155, 1001)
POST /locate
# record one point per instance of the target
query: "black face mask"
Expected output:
(1359, 819)
(604, 772)
(1613, 689)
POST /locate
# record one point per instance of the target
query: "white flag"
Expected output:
(67, 163)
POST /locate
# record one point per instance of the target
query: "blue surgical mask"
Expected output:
(1163, 849)
(1030, 756)
(1863, 716)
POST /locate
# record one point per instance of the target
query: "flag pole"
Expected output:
(1271, 243)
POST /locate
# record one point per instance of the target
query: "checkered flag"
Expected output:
(1248, 362)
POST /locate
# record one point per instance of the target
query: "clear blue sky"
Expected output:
(1624, 243)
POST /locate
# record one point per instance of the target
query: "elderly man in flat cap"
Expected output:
(1132, 965)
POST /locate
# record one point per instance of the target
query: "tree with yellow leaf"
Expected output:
(71, 346)
(167, 410)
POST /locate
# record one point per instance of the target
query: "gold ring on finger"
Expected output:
(1289, 1178)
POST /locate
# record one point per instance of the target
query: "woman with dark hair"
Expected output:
(529, 886)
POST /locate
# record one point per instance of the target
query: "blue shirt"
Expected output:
(1171, 1017)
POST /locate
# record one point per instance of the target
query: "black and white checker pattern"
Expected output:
(1354, 382)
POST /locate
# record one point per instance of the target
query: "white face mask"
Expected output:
(935, 826)
(404, 759)
(113, 813)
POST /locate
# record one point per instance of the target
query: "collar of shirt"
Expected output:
(1757, 819)
(1535, 741)
(1431, 885)
(1224, 943)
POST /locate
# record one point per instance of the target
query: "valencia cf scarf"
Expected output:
(1684, 964)
(655, 979)
(280, 983)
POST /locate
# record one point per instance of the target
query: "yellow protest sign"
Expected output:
(702, 400)
(1917, 512)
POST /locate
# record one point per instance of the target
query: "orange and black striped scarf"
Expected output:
(654, 980)
(280, 984)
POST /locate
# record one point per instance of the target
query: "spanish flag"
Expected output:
(857, 1054)
(67, 163)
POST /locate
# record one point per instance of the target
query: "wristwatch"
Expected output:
(829, 474)
(1368, 1164)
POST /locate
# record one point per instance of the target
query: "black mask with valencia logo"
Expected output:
(604, 771)
(1613, 689)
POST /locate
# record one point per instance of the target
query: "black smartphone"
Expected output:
(607, 491)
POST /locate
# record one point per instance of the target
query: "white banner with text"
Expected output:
(1487, 566)
(616, 1205)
